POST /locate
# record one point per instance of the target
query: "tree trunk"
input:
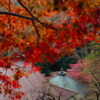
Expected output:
(59, 97)
(97, 95)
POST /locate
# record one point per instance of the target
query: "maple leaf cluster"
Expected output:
(27, 27)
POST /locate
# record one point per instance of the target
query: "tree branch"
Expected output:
(96, 6)
(97, 87)
(44, 24)
(4, 6)
(88, 7)
(31, 20)
(9, 15)
(17, 15)
(25, 8)
(96, 81)
(36, 32)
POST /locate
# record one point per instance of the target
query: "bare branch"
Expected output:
(31, 20)
(17, 15)
(19, 66)
(88, 7)
(96, 6)
(37, 33)
(4, 6)
(44, 24)
(9, 15)
(96, 81)
(25, 8)
(97, 87)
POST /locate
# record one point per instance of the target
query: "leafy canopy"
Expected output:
(28, 27)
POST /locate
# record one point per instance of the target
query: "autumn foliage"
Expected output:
(28, 28)
(87, 72)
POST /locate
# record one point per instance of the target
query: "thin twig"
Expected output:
(44, 24)
(89, 7)
(9, 15)
(18, 66)
(96, 80)
(31, 20)
(97, 87)
(6, 25)
(37, 33)
(96, 6)
(25, 8)
(3, 76)
(4, 6)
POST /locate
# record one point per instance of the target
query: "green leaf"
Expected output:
(49, 90)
